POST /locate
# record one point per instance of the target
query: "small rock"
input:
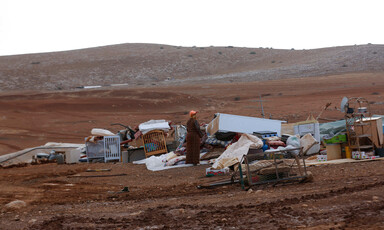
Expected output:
(224, 220)
(375, 198)
(258, 191)
(177, 211)
(249, 191)
(304, 205)
(375, 179)
(32, 221)
(16, 204)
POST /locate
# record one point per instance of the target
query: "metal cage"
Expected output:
(107, 149)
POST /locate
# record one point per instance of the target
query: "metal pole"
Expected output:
(262, 109)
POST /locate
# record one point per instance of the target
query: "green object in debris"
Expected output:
(341, 138)
(125, 189)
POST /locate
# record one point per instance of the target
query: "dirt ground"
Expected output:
(29, 119)
(347, 196)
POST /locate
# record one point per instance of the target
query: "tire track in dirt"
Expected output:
(274, 214)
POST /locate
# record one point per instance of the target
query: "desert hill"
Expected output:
(152, 64)
(39, 102)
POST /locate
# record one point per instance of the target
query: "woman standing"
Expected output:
(193, 139)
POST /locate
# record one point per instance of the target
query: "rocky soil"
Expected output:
(149, 64)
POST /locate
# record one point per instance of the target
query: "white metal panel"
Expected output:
(243, 124)
(111, 148)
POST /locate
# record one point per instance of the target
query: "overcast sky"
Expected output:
(34, 26)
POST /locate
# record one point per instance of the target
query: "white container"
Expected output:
(321, 158)
(242, 124)
(72, 156)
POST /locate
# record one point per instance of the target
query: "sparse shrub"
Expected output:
(35, 63)
(375, 52)
(190, 55)
(375, 93)
(373, 83)
(292, 49)
(229, 46)
(345, 65)
(220, 52)
(161, 47)
(252, 52)
(201, 48)
(280, 94)
(237, 99)
(273, 61)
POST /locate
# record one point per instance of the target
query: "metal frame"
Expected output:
(246, 177)
(354, 119)
(107, 149)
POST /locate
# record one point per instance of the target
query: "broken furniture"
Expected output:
(154, 143)
(274, 171)
(107, 149)
(359, 132)
(133, 154)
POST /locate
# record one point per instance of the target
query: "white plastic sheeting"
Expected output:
(236, 151)
(158, 163)
(154, 125)
(101, 132)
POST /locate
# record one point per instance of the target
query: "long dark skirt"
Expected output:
(193, 148)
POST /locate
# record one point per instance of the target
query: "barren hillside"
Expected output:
(149, 64)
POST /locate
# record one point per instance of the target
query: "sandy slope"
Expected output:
(146, 64)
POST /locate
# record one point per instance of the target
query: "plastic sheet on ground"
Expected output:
(158, 163)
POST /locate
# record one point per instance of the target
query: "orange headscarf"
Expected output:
(192, 113)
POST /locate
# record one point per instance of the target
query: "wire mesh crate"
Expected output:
(107, 149)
